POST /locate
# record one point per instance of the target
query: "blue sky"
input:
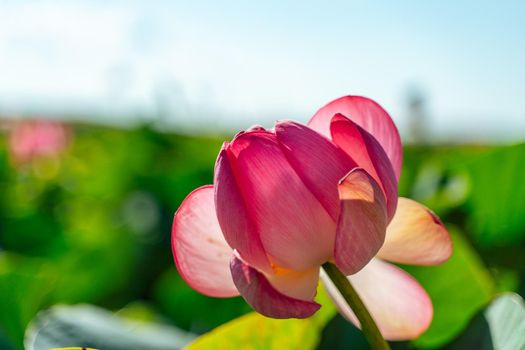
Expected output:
(229, 64)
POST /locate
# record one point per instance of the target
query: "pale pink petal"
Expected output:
(370, 116)
(416, 236)
(201, 254)
(399, 305)
(234, 220)
(362, 222)
(317, 161)
(296, 231)
(266, 299)
(368, 154)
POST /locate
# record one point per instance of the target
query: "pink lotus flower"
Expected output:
(287, 200)
(32, 138)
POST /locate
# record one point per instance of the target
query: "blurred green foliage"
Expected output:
(93, 225)
(257, 332)
(500, 326)
(458, 288)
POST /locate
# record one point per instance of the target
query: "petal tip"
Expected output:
(368, 114)
(338, 117)
(416, 236)
(446, 244)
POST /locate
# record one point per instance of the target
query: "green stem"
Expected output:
(368, 326)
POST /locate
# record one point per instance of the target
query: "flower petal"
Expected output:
(234, 219)
(398, 304)
(201, 254)
(370, 116)
(366, 151)
(300, 285)
(416, 236)
(362, 222)
(296, 231)
(317, 161)
(264, 298)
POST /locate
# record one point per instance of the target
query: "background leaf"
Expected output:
(25, 284)
(496, 205)
(501, 326)
(90, 326)
(458, 289)
(256, 332)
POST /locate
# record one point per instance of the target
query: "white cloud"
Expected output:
(60, 48)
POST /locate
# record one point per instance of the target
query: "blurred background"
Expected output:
(111, 112)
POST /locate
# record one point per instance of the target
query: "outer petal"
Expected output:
(370, 116)
(317, 161)
(368, 154)
(234, 219)
(416, 236)
(201, 254)
(266, 299)
(362, 222)
(296, 231)
(399, 305)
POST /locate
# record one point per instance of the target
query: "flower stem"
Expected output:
(368, 326)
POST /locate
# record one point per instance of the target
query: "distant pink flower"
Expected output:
(287, 200)
(36, 138)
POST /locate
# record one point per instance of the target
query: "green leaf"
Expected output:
(24, 286)
(498, 178)
(458, 289)
(191, 310)
(93, 327)
(254, 331)
(77, 348)
(500, 327)
(506, 318)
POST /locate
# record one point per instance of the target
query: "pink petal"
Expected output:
(416, 236)
(237, 226)
(399, 305)
(319, 163)
(370, 116)
(267, 300)
(201, 254)
(362, 222)
(296, 231)
(368, 154)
